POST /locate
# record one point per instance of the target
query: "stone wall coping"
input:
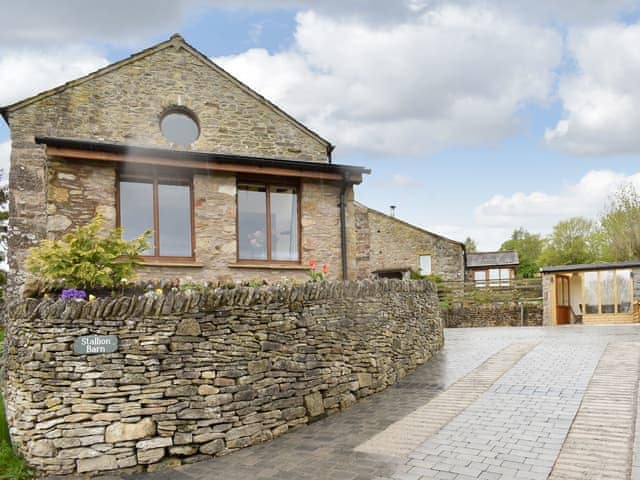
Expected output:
(173, 303)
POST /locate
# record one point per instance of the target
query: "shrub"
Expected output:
(85, 259)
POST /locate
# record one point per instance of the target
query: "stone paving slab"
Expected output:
(635, 467)
(600, 442)
(403, 436)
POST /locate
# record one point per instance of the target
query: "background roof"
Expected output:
(589, 266)
(492, 259)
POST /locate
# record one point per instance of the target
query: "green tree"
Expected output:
(529, 247)
(575, 240)
(470, 245)
(620, 226)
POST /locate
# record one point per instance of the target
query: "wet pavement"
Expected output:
(495, 403)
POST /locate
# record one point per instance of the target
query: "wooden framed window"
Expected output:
(480, 278)
(163, 203)
(607, 292)
(493, 277)
(268, 223)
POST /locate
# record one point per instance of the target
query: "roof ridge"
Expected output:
(492, 251)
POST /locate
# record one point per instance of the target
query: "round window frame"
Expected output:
(176, 109)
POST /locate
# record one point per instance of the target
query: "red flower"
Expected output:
(312, 263)
(325, 268)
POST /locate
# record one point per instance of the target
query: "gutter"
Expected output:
(120, 148)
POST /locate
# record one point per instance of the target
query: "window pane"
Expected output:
(174, 218)
(504, 277)
(136, 211)
(252, 222)
(623, 280)
(494, 277)
(284, 223)
(607, 296)
(425, 264)
(562, 291)
(480, 278)
(591, 292)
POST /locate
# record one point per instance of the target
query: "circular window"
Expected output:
(179, 128)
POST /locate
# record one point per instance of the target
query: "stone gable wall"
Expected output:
(384, 242)
(204, 374)
(125, 105)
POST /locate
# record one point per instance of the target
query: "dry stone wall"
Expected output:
(199, 374)
(491, 315)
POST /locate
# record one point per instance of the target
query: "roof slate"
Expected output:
(590, 266)
(492, 259)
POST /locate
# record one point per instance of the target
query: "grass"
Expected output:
(12, 467)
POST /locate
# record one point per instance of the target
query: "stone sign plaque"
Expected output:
(93, 344)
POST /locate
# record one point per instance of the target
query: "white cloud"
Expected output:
(566, 11)
(495, 220)
(117, 22)
(125, 22)
(602, 99)
(539, 211)
(26, 72)
(455, 76)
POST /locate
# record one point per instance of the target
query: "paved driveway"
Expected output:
(498, 403)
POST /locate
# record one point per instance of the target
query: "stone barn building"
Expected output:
(166, 140)
(391, 248)
(492, 269)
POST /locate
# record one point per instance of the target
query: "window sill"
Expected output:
(170, 263)
(269, 266)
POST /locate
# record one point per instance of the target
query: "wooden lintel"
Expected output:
(193, 164)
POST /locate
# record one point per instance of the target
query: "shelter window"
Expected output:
(607, 291)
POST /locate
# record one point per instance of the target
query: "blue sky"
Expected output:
(476, 119)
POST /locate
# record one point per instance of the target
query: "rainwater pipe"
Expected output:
(343, 228)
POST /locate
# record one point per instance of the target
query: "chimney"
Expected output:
(393, 210)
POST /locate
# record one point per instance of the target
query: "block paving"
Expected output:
(600, 442)
(505, 403)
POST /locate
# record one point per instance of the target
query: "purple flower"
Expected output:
(73, 294)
